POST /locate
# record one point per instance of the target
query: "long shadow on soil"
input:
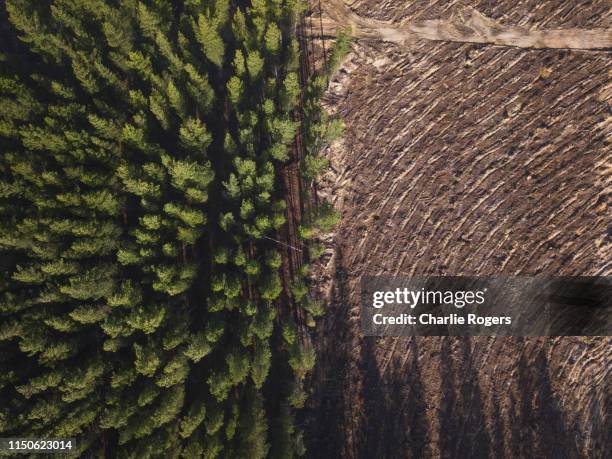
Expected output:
(326, 414)
(392, 416)
(394, 420)
(461, 416)
(537, 424)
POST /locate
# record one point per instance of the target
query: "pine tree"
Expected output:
(139, 199)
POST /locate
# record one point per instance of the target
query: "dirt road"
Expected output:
(465, 25)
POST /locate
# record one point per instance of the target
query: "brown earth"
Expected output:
(465, 25)
(465, 159)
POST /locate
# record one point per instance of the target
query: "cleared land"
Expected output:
(466, 159)
(466, 25)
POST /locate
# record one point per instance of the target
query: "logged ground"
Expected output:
(463, 159)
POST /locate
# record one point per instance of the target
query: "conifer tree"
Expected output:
(140, 283)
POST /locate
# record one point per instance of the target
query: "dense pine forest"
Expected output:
(145, 305)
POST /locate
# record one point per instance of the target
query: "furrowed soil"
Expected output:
(462, 159)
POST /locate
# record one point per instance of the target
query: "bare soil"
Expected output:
(463, 159)
(465, 25)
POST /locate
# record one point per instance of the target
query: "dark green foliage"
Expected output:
(341, 47)
(140, 143)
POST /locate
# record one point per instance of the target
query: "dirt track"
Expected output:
(465, 25)
(467, 159)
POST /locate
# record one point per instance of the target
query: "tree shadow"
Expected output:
(353, 411)
(539, 427)
(498, 441)
(461, 416)
(410, 425)
(394, 407)
(358, 410)
(325, 413)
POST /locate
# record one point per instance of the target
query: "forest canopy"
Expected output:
(143, 308)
